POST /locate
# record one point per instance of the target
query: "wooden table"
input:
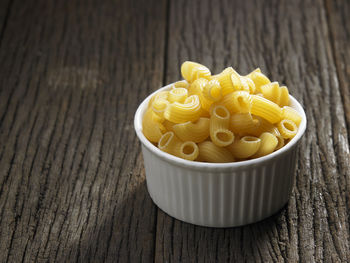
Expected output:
(72, 182)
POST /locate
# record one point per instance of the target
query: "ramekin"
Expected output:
(219, 194)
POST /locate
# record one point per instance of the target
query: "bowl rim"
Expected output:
(200, 165)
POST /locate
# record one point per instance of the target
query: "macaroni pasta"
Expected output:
(225, 117)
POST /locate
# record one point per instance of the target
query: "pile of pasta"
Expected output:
(220, 118)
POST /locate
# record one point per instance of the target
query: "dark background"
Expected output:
(72, 182)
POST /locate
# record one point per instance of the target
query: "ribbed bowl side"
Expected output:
(220, 198)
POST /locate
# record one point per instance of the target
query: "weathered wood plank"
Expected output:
(290, 42)
(339, 24)
(338, 13)
(5, 10)
(72, 185)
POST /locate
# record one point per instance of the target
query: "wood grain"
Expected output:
(290, 41)
(5, 10)
(72, 183)
(337, 13)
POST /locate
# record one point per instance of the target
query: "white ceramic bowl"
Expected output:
(219, 194)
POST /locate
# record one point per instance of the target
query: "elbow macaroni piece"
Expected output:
(265, 126)
(169, 143)
(211, 109)
(239, 82)
(196, 88)
(267, 146)
(280, 143)
(209, 152)
(231, 81)
(189, 151)
(238, 101)
(289, 113)
(250, 84)
(192, 71)
(245, 147)
(182, 84)
(160, 95)
(219, 124)
(279, 95)
(225, 81)
(258, 78)
(212, 90)
(266, 109)
(159, 106)
(227, 102)
(243, 123)
(271, 91)
(193, 131)
(158, 103)
(190, 110)
(242, 101)
(151, 128)
(287, 128)
(284, 98)
(177, 95)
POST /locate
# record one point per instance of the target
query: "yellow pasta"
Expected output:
(158, 117)
(205, 114)
(159, 106)
(250, 84)
(189, 151)
(219, 124)
(254, 71)
(242, 101)
(239, 82)
(231, 81)
(177, 94)
(192, 71)
(225, 81)
(244, 147)
(151, 129)
(266, 109)
(192, 131)
(182, 84)
(281, 142)
(259, 79)
(212, 90)
(169, 143)
(222, 137)
(168, 125)
(196, 88)
(279, 95)
(190, 110)
(243, 123)
(159, 95)
(284, 98)
(227, 102)
(211, 110)
(209, 152)
(289, 113)
(238, 101)
(271, 91)
(287, 128)
(229, 69)
(158, 103)
(268, 144)
(265, 126)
